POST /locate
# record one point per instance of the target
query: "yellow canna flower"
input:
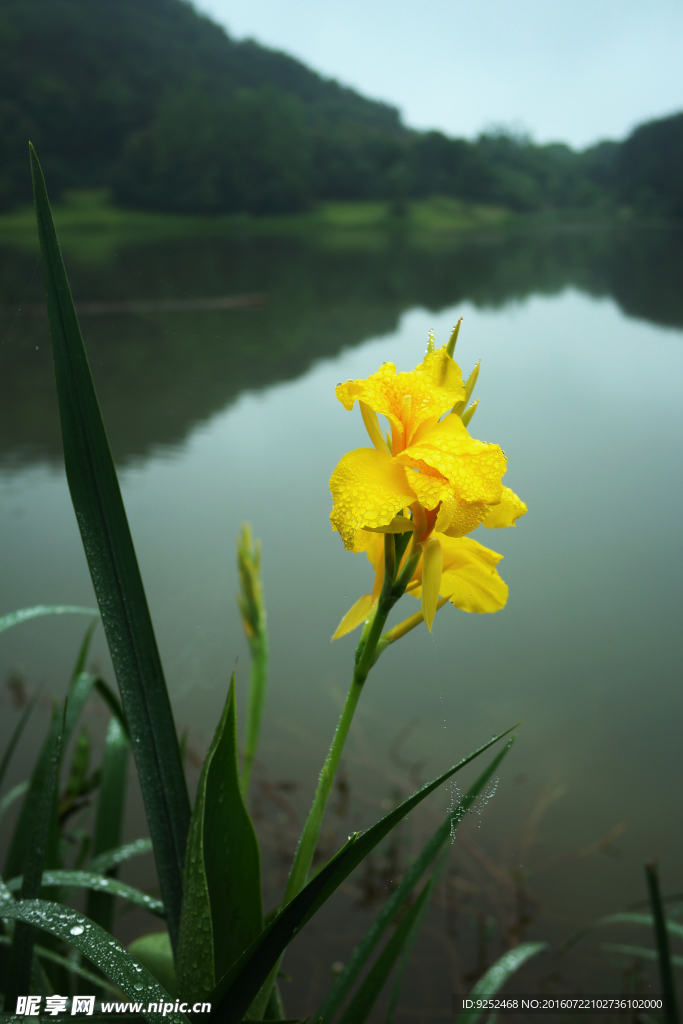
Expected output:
(469, 579)
(430, 477)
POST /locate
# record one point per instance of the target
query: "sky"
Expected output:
(575, 71)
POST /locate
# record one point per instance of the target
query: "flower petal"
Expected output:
(506, 512)
(433, 388)
(369, 489)
(470, 579)
(355, 616)
(472, 468)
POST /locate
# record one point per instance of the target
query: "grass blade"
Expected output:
(222, 912)
(100, 948)
(625, 917)
(399, 897)
(14, 864)
(362, 1003)
(112, 858)
(638, 951)
(12, 796)
(21, 956)
(97, 883)
(499, 973)
(113, 703)
(235, 991)
(109, 820)
(66, 964)
(114, 570)
(666, 974)
(408, 947)
(24, 614)
(14, 739)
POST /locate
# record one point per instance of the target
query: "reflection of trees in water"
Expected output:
(160, 373)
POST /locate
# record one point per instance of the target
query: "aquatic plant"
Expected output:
(408, 502)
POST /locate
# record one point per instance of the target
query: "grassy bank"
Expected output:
(90, 225)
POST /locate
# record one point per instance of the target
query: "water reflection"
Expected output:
(160, 373)
(220, 416)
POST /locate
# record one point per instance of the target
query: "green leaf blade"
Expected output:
(235, 991)
(108, 545)
(501, 972)
(401, 894)
(222, 911)
(365, 998)
(24, 614)
(21, 957)
(109, 820)
(115, 962)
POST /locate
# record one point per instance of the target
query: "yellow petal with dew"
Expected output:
(368, 489)
(373, 428)
(457, 518)
(433, 387)
(432, 568)
(355, 616)
(397, 525)
(470, 579)
(509, 509)
(472, 468)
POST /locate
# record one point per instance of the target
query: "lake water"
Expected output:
(222, 416)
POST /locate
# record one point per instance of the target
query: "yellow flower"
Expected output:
(469, 579)
(430, 477)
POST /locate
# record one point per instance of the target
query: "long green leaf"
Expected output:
(365, 998)
(114, 570)
(21, 957)
(16, 855)
(120, 854)
(408, 944)
(498, 974)
(100, 948)
(666, 974)
(222, 912)
(361, 954)
(236, 990)
(109, 820)
(79, 691)
(24, 614)
(637, 951)
(14, 739)
(113, 703)
(625, 917)
(97, 883)
(64, 962)
(12, 796)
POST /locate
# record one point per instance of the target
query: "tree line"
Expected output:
(161, 106)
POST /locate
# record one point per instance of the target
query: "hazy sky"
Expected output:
(575, 70)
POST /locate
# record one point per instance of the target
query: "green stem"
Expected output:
(366, 656)
(255, 704)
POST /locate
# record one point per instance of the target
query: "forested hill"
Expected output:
(159, 104)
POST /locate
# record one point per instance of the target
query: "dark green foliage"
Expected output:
(114, 570)
(649, 167)
(158, 104)
(221, 913)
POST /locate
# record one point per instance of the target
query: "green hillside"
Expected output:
(155, 102)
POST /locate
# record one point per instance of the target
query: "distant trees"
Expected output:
(648, 171)
(157, 102)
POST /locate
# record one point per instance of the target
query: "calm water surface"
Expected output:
(217, 417)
